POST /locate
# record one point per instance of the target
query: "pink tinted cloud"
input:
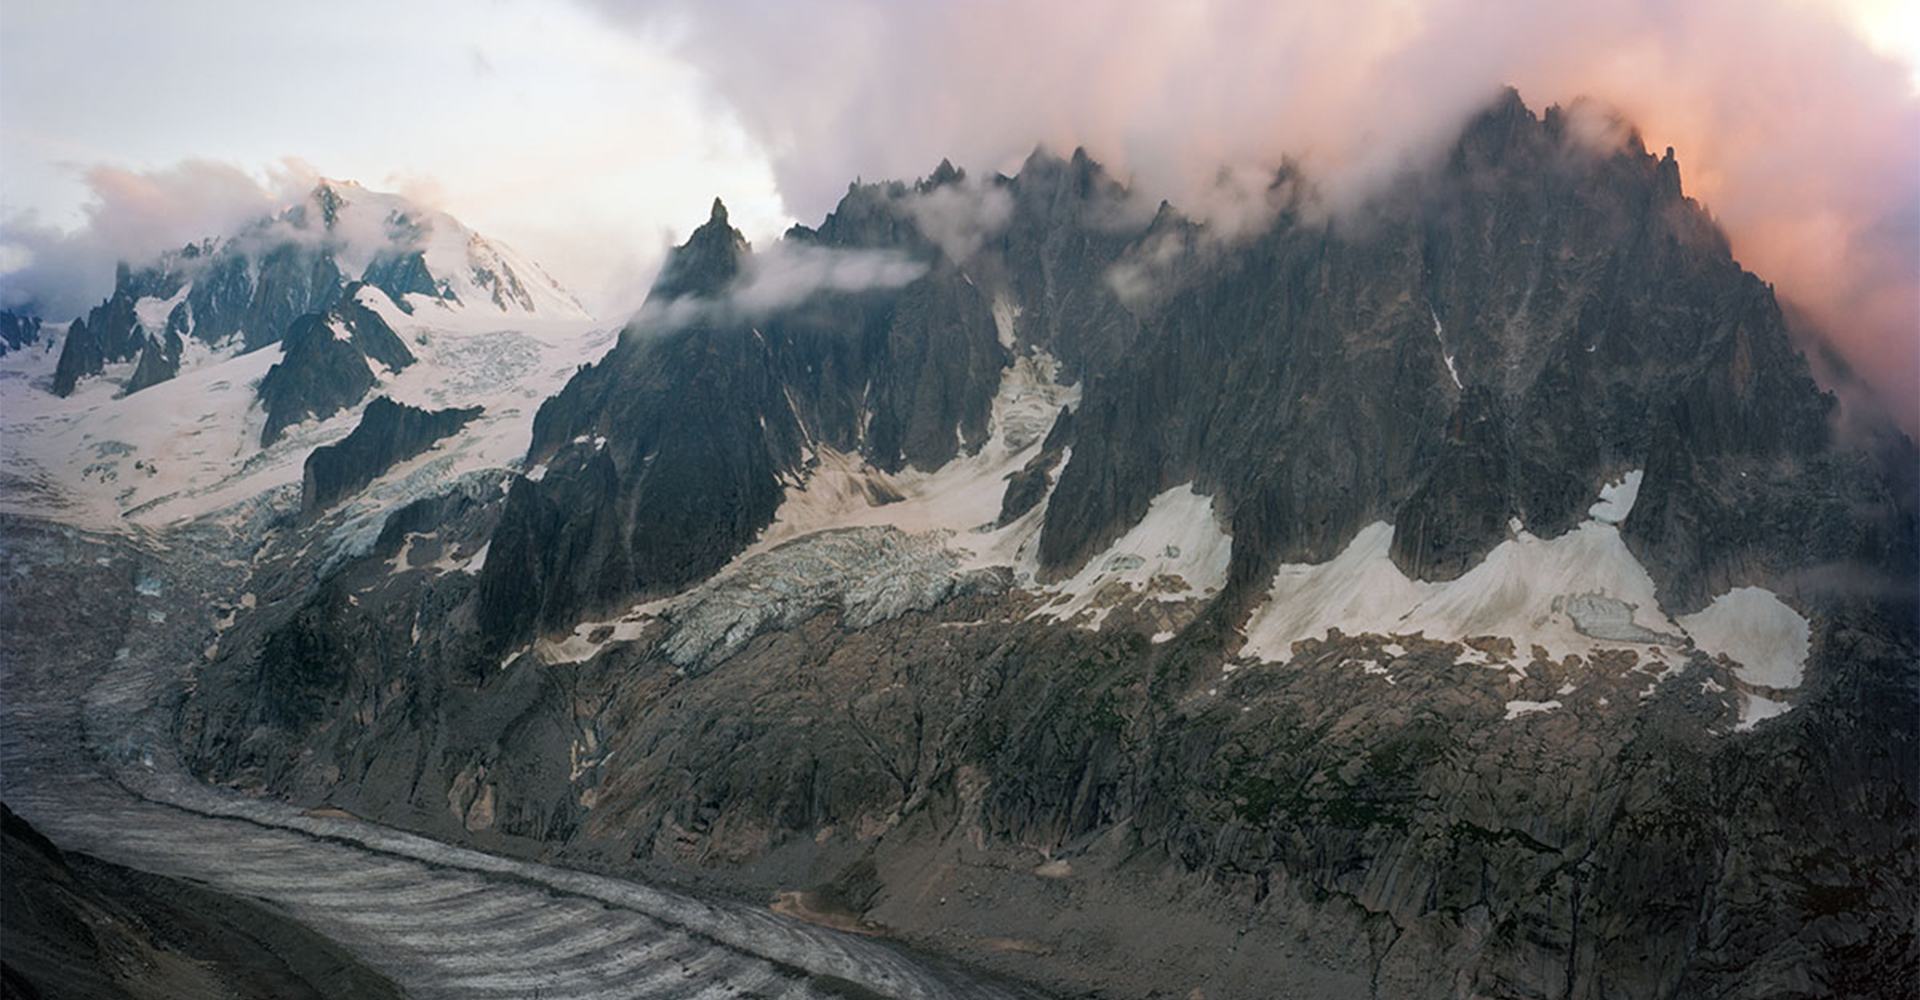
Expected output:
(1803, 142)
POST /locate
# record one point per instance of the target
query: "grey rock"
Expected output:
(327, 364)
(18, 330)
(388, 433)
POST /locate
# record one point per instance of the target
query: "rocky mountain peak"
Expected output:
(942, 175)
(329, 200)
(332, 360)
(705, 264)
(17, 330)
(254, 283)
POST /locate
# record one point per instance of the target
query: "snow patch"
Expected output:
(961, 499)
(872, 543)
(1524, 590)
(1617, 498)
(1446, 355)
(1516, 709)
(1767, 641)
(1178, 550)
(152, 312)
(1005, 313)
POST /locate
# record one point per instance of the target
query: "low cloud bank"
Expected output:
(1802, 140)
(782, 277)
(134, 216)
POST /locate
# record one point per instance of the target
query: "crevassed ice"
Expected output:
(875, 544)
(872, 573)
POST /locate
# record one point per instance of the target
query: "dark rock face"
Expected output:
(111, 331)
(1594, 318)
(236, 288)
(327, 366)
(80, 355)
(79, 928)
(388, 433)
(702, 481)
(666, 458)
(159, 361)
(402, 274)
(1029, 486)
(17, 330)
(1489, 342)
(222, 294)
(1460, 510)
(293, 282)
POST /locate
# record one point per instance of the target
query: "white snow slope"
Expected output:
(190, 446)
(1571, 596)
(480, 272)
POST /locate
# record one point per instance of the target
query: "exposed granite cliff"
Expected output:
(388, 434)
(18, 330)
(1510, 327)
(667, 457)
(329, 363)
(113, 331)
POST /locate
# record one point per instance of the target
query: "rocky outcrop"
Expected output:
(1506, 331)
(329, 364)
(230, 288)
(1313, 379)
(113, 331)
(1029, 486)
(1364, 818)
(388, 434)
(159, 361)
(666, 458)
(400, 274)
(17, 330)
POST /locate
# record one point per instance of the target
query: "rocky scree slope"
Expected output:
(1469, 360)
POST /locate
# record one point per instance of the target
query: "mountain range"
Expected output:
(1472, 593)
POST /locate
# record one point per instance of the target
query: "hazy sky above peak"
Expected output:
(585, 147)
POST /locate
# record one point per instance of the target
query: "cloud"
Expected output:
(1798, 136)
(959, 216)
(782, 277)
(790, 273)
(133, 216)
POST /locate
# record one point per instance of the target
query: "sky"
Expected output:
(591, 134)
(583, 146)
